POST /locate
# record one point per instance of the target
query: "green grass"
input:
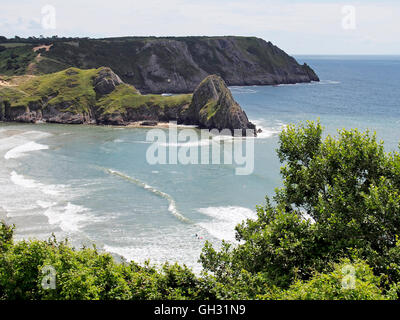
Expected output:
(12, 94)
(72, 85)
(210, 108)
(74, 89)
(126, 96)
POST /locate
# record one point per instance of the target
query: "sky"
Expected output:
(296, 26)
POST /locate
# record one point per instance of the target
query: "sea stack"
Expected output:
(213, 106)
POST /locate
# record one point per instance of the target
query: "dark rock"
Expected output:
(115, 119)
(106, 81)
(310, 72)
(213, 106)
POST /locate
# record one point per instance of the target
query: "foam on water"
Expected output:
(69, 218)
(224, 220)
(240, 90)
(17, 143)
(268, 131)
(127, 252)
(158, 254)
(172, 204)
(325, 82)
(49, 189)
(204, 142)
(22, 150)
(312, 83)
(199, 143)
(160, 244)
(45, 204)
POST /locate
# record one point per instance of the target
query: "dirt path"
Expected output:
(32, 66)
(42, 47)
(5, 83)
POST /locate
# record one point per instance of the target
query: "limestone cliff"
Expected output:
(165, 65)
(213, 106)
(99, 96)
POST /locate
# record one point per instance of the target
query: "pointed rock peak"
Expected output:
(213, 106)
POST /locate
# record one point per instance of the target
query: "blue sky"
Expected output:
(297, 26)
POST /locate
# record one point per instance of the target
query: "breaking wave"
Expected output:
(50, 189)
(268, 131)
(69, 218)
(22, 150)
(224, 220)
(172, 204)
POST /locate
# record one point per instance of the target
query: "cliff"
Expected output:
(213, 106)
(159, 65)
(99, 96)
(75, 96)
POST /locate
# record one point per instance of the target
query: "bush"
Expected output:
(87, 274)
(347, 281)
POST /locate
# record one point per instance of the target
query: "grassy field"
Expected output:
(74, 88)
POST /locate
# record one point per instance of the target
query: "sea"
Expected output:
(94, 185)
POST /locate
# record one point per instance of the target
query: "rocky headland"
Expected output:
(160, 65)
(99, 96)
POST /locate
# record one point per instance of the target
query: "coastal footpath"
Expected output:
(99, 96)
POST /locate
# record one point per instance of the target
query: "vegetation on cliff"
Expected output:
(159, 65)
(332, 233)
(77, 96)
(100, 96)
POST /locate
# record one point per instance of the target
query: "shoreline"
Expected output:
(131, 125)
(157, 124)
(135, 124)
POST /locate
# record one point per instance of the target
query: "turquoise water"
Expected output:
(94, 184)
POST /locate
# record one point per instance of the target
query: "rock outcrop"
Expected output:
(213, 106)
(106, 81)
(98, 96)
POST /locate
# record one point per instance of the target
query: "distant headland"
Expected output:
(158, 64)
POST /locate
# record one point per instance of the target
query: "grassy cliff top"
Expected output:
(70, 85)
(76, 88)
(124, 97)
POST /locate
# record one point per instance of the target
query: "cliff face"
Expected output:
(213, 106)
(177, 65)
(98, 96)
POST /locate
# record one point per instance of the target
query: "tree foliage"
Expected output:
(340, 199)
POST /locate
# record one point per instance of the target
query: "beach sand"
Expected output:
(138, 124)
